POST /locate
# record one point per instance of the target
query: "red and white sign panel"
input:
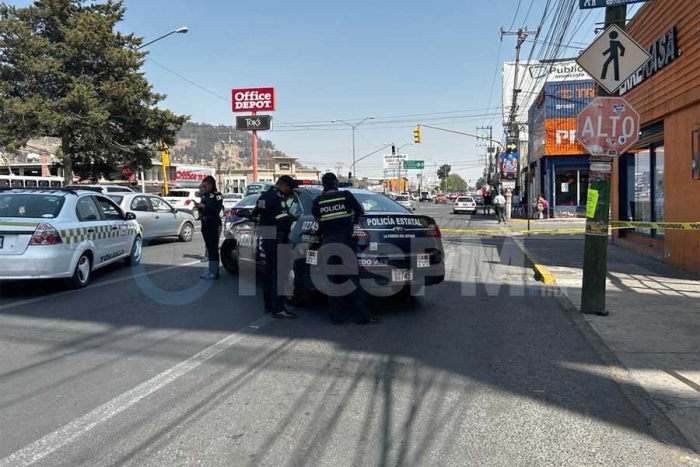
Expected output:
(253, 99)
(192, 175)
(608, 126)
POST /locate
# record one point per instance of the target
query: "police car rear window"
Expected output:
(378, 203)
(248, 201)
(30, 206)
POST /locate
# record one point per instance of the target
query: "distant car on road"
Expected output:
(406, 201)
(452, 196)
(185, 199)
(156, 216)
(464, 204)
(440, 199)
(231, 199)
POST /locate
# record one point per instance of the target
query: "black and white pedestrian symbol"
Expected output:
(614, 53)
(612, 58)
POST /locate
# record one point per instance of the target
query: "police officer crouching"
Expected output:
(276, 222)
(337, 212)
(210, 209)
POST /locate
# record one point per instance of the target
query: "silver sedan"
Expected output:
(156, 216)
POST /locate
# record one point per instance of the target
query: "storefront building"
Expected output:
(659, 179)
(558, 164)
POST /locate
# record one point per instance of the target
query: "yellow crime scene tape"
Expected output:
(581, 230)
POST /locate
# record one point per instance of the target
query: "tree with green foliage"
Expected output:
(454, 183)
(480, 183)
(65, 72)
(443, 172)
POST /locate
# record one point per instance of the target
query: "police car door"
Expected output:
(115, 231)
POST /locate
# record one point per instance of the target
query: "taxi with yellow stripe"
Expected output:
(63, 233)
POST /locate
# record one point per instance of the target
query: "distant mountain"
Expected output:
(199, 142)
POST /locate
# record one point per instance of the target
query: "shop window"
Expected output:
(659, 193)
(644, 193)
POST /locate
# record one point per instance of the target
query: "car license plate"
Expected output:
(312, 257)
(423, 261)
(401, 275)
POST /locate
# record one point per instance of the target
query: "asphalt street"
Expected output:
(152, 367)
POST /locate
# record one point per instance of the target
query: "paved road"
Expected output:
(151, 367)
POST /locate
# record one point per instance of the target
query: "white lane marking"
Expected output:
(52, 442)
(94, 286)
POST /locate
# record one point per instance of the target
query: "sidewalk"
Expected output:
(654, 324)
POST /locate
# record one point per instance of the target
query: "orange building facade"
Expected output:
(659, 179)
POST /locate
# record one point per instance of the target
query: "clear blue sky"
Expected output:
(343, 60)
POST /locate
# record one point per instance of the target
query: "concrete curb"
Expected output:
(660, 426)
(542, 274)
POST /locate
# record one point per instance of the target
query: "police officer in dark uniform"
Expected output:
(210, 214)
(337, 212)
(276, 222)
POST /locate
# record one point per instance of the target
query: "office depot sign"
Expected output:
(253, 99)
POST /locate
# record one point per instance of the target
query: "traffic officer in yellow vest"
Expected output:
(276, 222)
(337, 212)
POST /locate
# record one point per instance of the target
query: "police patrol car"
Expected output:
(396, 250)
(63, 233)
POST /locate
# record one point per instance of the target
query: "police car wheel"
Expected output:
(83, 272)
(136, 252)
(229, 257)
(186, 232)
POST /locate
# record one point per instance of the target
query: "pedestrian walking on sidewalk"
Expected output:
(500, 202)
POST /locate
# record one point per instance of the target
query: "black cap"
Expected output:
(287, 180)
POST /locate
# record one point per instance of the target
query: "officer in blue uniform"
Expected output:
(276, 222)
(337, 212)
(210, 212)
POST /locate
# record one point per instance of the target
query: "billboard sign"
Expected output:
(509, 165)
(560, 137)
(192, 175)
(531, 77)
(253, 99)
(394, 161)
(254, 122)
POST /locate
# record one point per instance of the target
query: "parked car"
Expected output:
(440, 199)
(185, 199)
(231, 199)
(406, 201)
(464, 204)
(384, 250)
(64, 233)
(156, 216)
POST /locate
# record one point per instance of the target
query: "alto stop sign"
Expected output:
(608, 126)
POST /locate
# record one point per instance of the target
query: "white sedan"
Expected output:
(464, 204)
(63, 233)
(232, 199)
(406, 201)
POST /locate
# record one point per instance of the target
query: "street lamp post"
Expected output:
(182, 30)
(398, 180)
(353, 139)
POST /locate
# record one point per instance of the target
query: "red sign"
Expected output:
(608, 126)
(253, 99)
(126, 171)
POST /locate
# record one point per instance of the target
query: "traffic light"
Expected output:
(416, 134)
(393, 149)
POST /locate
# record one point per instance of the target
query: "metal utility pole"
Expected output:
(595, 252)
(513, 128)
(490, 150)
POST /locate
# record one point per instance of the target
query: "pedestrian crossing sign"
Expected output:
(612, 58)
